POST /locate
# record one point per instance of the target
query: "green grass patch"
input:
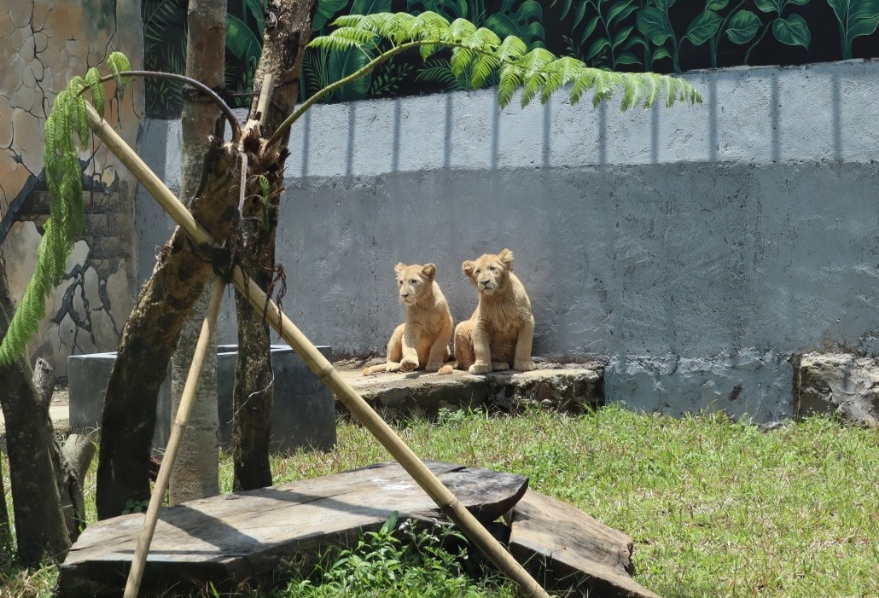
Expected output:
(715, 507)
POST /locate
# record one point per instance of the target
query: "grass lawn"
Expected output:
(715, 508)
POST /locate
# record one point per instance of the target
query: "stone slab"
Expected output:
(840, 383)
(571, 387)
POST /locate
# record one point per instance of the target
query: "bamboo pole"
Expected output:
(187, 400)
(323, 369)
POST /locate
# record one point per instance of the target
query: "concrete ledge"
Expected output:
(572, 387)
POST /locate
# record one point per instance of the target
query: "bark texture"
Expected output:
(69, 482)
(39, 525)
(195, 475)
(150, 335)
(283, 47)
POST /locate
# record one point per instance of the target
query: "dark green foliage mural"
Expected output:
(165, 50)
(665, 36)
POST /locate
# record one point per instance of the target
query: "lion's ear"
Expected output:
(429, 270)
(399, 267)
(467, 267)
(506, 258)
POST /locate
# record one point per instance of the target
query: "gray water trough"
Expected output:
(303, 410)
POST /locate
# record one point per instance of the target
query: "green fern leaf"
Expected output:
(651, 89)
(511, 49)
(93, 82)
(461, 59)
(631, 91)
(479, 56)
(430, 26)
(484, 67)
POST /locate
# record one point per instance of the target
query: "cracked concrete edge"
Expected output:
(573, 388)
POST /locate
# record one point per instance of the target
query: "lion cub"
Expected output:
(422, 340)
(501, 330)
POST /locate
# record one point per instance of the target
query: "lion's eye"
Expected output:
(478, 270)
(400, 282)
(492, 268)
(413, 281)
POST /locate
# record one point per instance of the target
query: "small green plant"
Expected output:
(135, 506)
(408, 560)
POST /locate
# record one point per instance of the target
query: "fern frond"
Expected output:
(484, 67)
(430, 26)
(479, 55)
(631, 93)
(461, 30)
(533, 73)
(510, 81)
(118, 62)
(511, 49)
(67, 121)
(461, 59)
(31, 309)
(651, 89)
(93, 82)
(559, 73)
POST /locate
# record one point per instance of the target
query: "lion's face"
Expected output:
(414, 281)
(489, 272)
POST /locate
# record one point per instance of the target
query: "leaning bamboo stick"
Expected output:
(317, 363)
(181, 420)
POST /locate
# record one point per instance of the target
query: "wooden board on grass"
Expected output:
(251, 537)
(566, 549)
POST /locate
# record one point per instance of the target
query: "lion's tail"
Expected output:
(447, 368)
(382, 367)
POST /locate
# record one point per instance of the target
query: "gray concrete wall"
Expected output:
(696, 249)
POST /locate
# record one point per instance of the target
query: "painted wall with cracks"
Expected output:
(43, 44)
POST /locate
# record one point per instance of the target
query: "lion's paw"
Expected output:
(433, 366)
(500, 366)
(408, 364)
(524, 366)
(480, 368)
(446, 370)
(393, 366)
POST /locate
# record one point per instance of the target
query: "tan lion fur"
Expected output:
(422, 340)
(501, 330)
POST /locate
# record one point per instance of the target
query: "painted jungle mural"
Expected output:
(631, 35)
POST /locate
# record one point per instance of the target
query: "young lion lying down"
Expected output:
(501, 330)
(422, 340)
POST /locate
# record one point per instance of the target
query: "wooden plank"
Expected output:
(566, 549)
(252, 536)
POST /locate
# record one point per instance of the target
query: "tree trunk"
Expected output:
(67, 478)
(196, 472)
(39, 525)
(5, 530)
(150, 337)
(283, 47)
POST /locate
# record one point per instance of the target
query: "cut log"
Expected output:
(253, 537)
(567, 550)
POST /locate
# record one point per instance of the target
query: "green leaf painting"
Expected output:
(703, 27)
(743, 26)
(792, 31)
(856, 18)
